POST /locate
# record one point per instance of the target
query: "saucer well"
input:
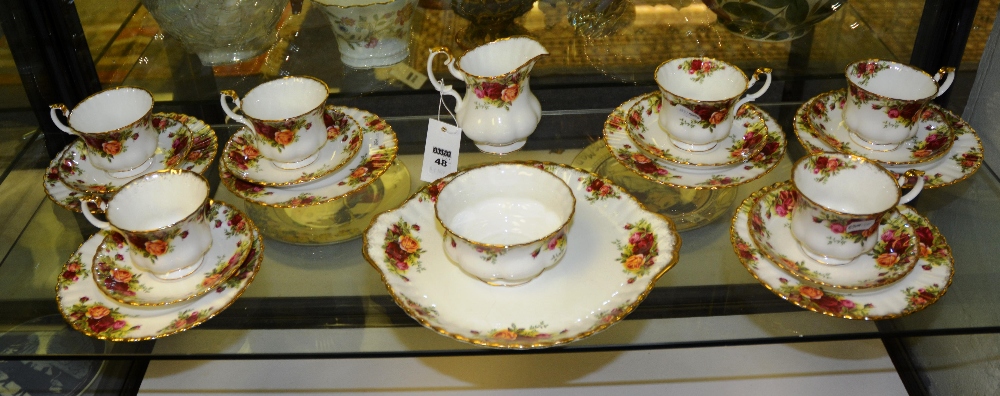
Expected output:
(922, 287)
(591, 288)
(934, 137)
(746, 138)
(203, 146)
(343, 143)
(91, 312)
(174, 142)
(962, 160)
(646, 165)
(119, 279)
(893, 257)
(378, 150)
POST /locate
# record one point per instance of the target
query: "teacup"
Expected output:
(287, 116)
(115, 125)
(700, 97)
(162, 217)
(370, 33)
(505, 223)
(844, 198)
(885, 100)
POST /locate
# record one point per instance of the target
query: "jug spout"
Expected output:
(501, 57)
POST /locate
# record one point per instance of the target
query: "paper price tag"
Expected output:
(408, 75)
(441, 150)
(860, 226)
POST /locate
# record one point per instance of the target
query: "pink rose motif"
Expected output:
(837, 228)
(893, 113)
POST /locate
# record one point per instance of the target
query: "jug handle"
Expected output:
(439, 85)
(65, 112)
(950, 71)
(85, 209)
(917, 187)
(229, 112)
(756, 75)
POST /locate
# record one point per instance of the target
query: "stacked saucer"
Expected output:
(123, 301)
(183, 142)
(751, 148)
(909, 268)
(330, 199)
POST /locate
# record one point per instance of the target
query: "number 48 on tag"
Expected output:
(441, 150)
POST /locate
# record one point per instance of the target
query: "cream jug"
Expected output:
(498, 111)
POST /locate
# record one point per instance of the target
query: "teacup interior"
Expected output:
(676, 77)
(505, 204)
(864, 189)
(157, 200)
(284, 98)
(110, 110)
(897, 81)
(500, 57)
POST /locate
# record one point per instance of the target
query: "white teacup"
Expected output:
(370, 33)
(115, 125)
(885, 100)
(162, 217)
(287, 116)
(505, 223)
(700, 97)
(844, 200)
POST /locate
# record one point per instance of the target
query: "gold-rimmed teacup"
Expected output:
(162, 217)
(844, 198)
(505, 223)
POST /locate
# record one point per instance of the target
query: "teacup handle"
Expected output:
(90, 217)
(919, 185)
(450, 62)
(229, 112)
(756, 75)
(950, 71)
(65, 112)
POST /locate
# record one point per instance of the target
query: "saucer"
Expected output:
(746, 138)
(962, 160)
(119, 279)
(917, 290)
(343, 143)
(893, 256)
(77, 172)
(91, 312)
(637, 160)
(378, 150)
(591, 288)
(202, 151)
(933, 139)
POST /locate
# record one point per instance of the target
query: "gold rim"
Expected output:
(320, 106)
(464, 172)
(458, 60)
(149, 176)
(259, 241)
(777, 136)
(746, 81)
(347, 159)
(892, 176)
(733, 235)
(440, 330)
(372, 3)
(798, 274)
(851, 82)
(390, 154)
(145, 115)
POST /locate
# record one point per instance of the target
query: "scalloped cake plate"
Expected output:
(616, 250)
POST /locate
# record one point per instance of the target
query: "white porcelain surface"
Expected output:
(618, 250)
(700, 97)
(646, 165)
(498, 110)
(116, 125)
(498, 219)
(884, 98)
(922, 287)
(287, 114)
(370, 33)
(91, 312)
(894, 254)
(120, 279)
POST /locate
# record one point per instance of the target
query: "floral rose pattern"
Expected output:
(705, 115)
(73, 271)
(700, 68)
(866, 70)
(917, 298)
(109, 144)
(247, 268)
(599, 189)
(281, 133)
(934, 143)
(367, 170)
(556, 243)
(430, 193)
(638, 253)
(822, 301)
(513, 333)
(402, 248)
(844, 228)
(366, 31)
(892, 251)
(426, 312)
(186, 319)
(488, 254)
(825, 166)
(98, 320)
(498, 92)
(752, 141)
(115, 277)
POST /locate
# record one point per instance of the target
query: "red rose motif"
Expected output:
(695, 65)
(925, 235)
(820, 164)
(828, 303)
(492, 90)
(396, 252)
(786, 202)
(704, 112)
(265, 130)
(911, 110)
(179, 143)
(934, 141)
(837, 228)
(100, 325)
(648, 167)
(893, 113)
